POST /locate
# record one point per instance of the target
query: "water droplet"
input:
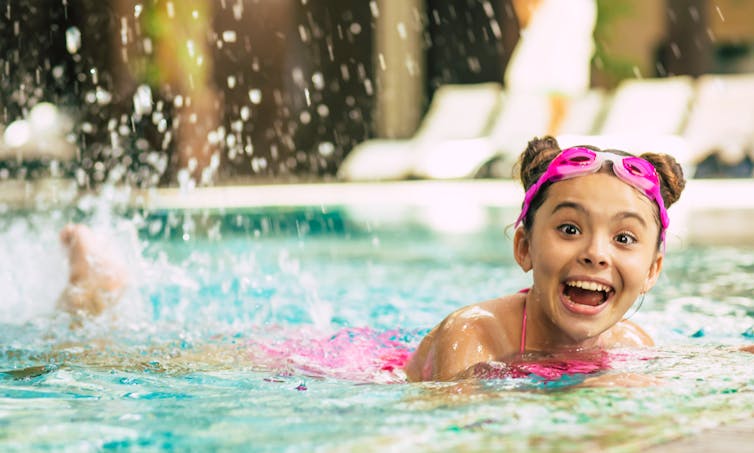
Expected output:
(495, 27)
(214, 161)
(73, 40)
(238, 10)
(305, 117)
(171, 9)
(374, 8)
(488, 10)
(231, 82)
(123, 31)
(255, 96)
(401, 27)
(213, 137)
(58, 72)
(17, 134)
(318, 80)
(44, 117)
(137, 10)
(326, 148)
(229, 36)
(720, 13)
(103, 96)
(676, 50)
(147, 43)
(258, 164)
(303, 33)
(245, 113)
(355, 28)
(298, 76)
(143, 100)
(694, 13)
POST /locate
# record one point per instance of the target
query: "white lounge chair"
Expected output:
(521, 116)
(722, 118)
(644, 115)
(457, 112)
(527, 115)
(585, 112)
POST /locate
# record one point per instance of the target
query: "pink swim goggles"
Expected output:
(578, 161)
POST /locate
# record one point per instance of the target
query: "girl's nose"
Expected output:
(596, 252)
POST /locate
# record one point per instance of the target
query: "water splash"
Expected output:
(73, 40)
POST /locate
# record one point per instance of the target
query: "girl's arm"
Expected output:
(465, 338)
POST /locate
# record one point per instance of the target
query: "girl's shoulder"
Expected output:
(496, 320)
(626, 334)
(504, 308)
(494, 311)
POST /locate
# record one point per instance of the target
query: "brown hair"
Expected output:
(539, 152)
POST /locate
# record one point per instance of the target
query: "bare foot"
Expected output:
(97, 275)
(748, 349)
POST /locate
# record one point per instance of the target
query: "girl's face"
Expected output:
(593, 251)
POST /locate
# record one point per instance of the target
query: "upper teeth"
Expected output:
(591, 286)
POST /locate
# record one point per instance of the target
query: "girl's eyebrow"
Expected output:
(621, 215)
(569, 204)
(631, 215)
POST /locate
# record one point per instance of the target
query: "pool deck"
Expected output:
(710, 212)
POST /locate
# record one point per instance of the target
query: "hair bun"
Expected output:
(534, 160)
(672, 181)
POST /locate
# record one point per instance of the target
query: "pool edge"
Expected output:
(710, 212)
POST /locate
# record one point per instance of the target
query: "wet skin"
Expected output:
(97, 274)
(590, 229)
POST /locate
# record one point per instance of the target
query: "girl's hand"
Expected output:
(749, 348)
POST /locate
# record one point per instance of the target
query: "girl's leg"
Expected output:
(97, 274)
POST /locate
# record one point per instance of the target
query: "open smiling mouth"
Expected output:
(587, 293)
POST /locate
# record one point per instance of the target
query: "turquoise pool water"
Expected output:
(195, 358)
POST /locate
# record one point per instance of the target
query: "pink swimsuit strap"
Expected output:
(523, 324)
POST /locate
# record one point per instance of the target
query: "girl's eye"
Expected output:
(625, 238)
(569, 229)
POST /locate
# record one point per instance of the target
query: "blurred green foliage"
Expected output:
(614, 68)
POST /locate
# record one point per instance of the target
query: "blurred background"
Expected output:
(216, 92)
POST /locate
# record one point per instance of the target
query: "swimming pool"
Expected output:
(224, 344)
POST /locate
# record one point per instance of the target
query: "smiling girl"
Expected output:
(592, 232)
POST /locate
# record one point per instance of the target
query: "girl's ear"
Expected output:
(522, 249)
(654, 272)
